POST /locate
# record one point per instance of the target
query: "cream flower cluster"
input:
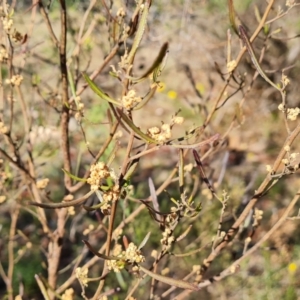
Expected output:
(131, 255)
(161, 134)
(81, 275)
(98, 171)
(130, 100)
(108, 195)
(167, 235)
(292, 113)
(164, 133)
(8, 22)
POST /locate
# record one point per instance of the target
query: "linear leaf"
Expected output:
(202, 172)
(74, 177)
(171, 281)
(144, 241)
(154, 197)
(146, 98)
(232, 16)
(98, 91)
(76, 202)
(142, 135)
(156, 66)
(140, 31)
(103, 256)
(253, 57)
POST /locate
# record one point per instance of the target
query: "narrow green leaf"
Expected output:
(140, 31)
(113, 74)
(171, 281)
(157, 65)
(146, 98)
(142, 135)
(76, 202)
(94, 207)
(98, 91)
(99, 196)
(253, 57)
(257, 14)
(103, 256)
(157, 71)
(74, 177)
(232, 16)
(131, 169)
(11, 13)
(144, 241)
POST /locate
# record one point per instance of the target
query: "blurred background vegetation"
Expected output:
(197, 32)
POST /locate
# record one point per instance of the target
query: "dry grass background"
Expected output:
(197, 36)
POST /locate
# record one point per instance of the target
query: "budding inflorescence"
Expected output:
(257, 216)
(81, 275)
(80, 108)
(167, 235)
(8, 22)
(130, 100)
(161, 134)
(108, 194)
(291, 113)
(98, 171)
(132, 255)
(109, 197)
(164, 133)
(16, 80)
(291, 161)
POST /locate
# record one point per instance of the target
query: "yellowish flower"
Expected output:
(292, 268)
(172, 95)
